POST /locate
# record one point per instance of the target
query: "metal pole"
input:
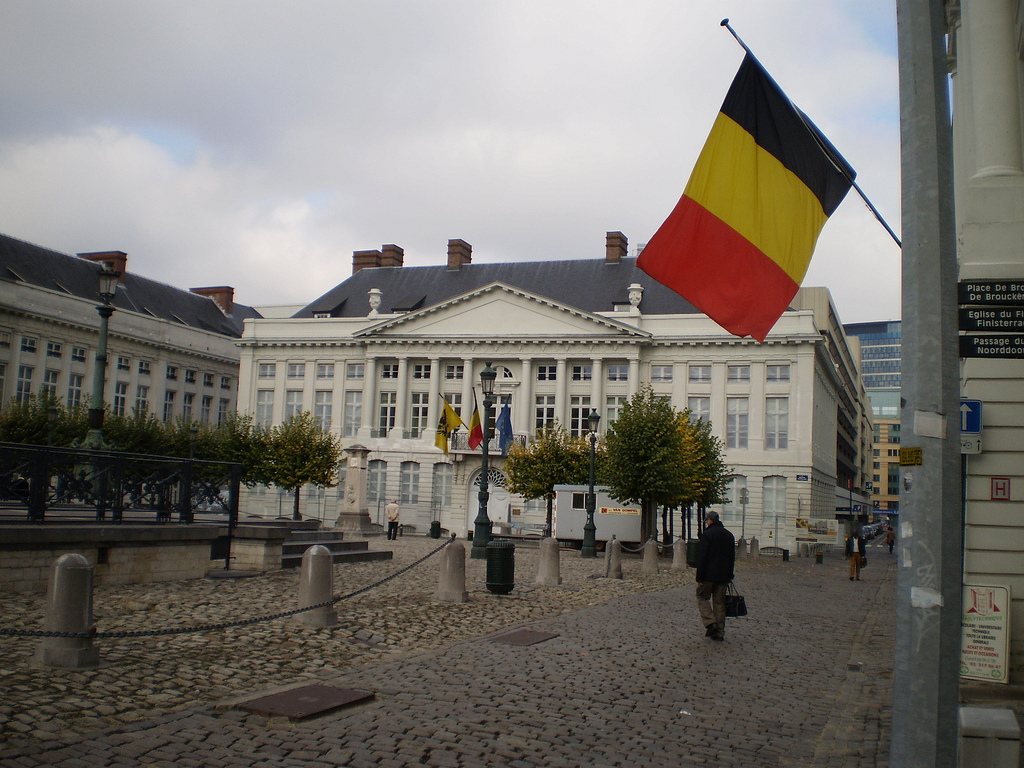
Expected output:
(589, 548)
(94, 440)
(482, 524)
(928, 585)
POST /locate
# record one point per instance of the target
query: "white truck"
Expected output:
(610, 516)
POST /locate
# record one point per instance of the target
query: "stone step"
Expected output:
(292, 547)
(316, 536)
(356, 556)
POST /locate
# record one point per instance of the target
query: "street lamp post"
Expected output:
(744, 498)
(108, 285)
(589, 548)
(482, 524)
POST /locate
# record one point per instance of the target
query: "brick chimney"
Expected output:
(391, 256)
(364, 259)
(459, 252)
(222, 294)
(117, 259)
(616, 246)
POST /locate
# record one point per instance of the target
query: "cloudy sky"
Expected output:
(257, 144)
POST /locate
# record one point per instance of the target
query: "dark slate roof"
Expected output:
(585, 284)
(34, 265)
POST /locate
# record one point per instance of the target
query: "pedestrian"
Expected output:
(391, 510)
(716, 558)
(890, 539)
(855, 553)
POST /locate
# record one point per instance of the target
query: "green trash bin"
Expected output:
(501, 566)
(435, 529)
(691, 552)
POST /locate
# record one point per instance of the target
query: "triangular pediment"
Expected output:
(499, 311)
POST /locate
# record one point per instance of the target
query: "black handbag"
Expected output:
(735, 603)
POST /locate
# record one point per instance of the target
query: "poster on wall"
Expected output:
(985, 637)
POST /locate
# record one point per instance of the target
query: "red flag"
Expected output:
(476, 432)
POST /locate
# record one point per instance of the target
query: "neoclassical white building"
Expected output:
(372, 357)
(171, 352)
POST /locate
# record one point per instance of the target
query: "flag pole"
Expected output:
(827, 150)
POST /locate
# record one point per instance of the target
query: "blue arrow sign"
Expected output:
(970, 417)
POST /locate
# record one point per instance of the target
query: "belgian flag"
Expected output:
(738, 243)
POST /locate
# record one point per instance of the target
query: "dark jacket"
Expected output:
(716, 555)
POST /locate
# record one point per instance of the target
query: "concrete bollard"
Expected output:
(69, 609)
(804, 549)
(755, 548)
(316, 586)
(451, 583)
(679, 555)
(548, 567)
(650, 561)
(741, 549)
(614, 567)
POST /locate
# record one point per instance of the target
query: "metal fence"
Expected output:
(39, 484)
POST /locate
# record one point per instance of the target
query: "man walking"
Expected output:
(391, 510)
(716, 558)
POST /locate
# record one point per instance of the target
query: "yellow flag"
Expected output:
(447, 424)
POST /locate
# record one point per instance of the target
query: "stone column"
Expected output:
(354, 514)
(451, 587)
(548, 568)
(650, 561)
(69, 609)
(316, 586)
(614, 563)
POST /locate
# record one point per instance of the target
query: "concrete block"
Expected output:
(989, 738)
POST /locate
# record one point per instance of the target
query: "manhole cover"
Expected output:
(524, 637)
(307, 701)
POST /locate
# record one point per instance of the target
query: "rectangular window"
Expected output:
(776, 423)
(49, 386)
(5, 339)
(325, 371)
(28, 345)
(207, 379)
(296, 370)
(322, 406)
(389, 371)
(454, 372)
(582, 372)
(455, 401)
(618, 372)
(78, 354)
(409, 492)
(700, 408)
(700, 373)
(579, 410)
(613, 407)
(738, 373)
(421, 371)
(225, 382)
(124, 363)
(353, 413)
(169, 405)
(355, 371)
(736, 422)
(547, 372)
(187, 399)
(264, 371)
(120, 398)
(777, 372)
(24, 384)
(223, 410)
(172, 372)
(264, 407)
(3, 376)
(190, 376)
(292, 403)
(144, 367)
(420, 413)
(142, 399)
(75, 382)
(545, 410)
(205, 405)
(54, 349)
(661, 373)
(388, 403)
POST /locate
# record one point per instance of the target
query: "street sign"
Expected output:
(970, 444)
(1005, 292)
(992, 346)
(992, 319)
(970, 416)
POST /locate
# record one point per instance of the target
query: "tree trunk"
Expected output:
(547, 523)
(648, 519)
(296, 515)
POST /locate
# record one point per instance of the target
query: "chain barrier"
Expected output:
(225, 625)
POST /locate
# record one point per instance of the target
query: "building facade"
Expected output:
(372, 358)
(988, 174)
(170, 352)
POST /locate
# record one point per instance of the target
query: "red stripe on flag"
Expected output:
(716, 269)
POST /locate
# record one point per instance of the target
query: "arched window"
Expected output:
(377, 475)
(409, 490)
(732, 510)
(441, 493)
(774, 502)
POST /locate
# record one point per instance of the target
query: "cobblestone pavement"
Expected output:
(630, 679)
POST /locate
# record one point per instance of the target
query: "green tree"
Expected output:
(645, 460)
(707, 473)
(300, 451)
(29, 421)
(553, 457)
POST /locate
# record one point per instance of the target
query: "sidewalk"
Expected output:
(630, 679)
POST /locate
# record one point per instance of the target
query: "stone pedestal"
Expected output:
(354, 514)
